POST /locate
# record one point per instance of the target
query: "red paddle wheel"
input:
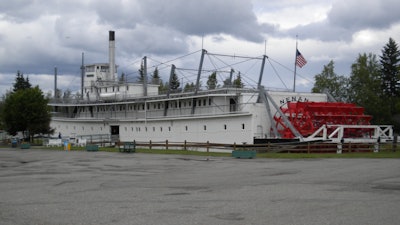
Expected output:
(307, 117)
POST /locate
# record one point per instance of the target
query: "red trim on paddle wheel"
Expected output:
(307, 117)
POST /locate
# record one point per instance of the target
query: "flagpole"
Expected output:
(295, 67)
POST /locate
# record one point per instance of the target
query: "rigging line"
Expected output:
(180, 57)
(134, 62)
(233, 64)
(248, 80)
(234, 56)
(212, 62)
(291, 70)
(277, 74)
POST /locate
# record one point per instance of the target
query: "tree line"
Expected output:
(374, 83)
(174, 85)
(25, 109)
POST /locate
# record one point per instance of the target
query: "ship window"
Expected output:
(186, 128)
(209, 101)
(142, 106)
(91, 128)
(148, 106)
(184, 104)
(199, 103)
(180, 105)
(126, 128)
(83, 128)
(113, 89)
(161, 129)
(190, 104)
(154, 129)
(106, 89)
(101, 128)
(145, 129)
(132, 128)
(205, 127)
(127, 87)
(169, 128)
(243, 126)
(205, 102)
(224, 126)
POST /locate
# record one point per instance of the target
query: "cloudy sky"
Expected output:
(38, 35)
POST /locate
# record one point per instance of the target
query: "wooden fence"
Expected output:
(306, 147)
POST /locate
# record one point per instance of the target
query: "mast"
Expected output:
(145, 76)
(295, 67)
(203, 52)
(82, 75)
(261, 71)
(55, 82)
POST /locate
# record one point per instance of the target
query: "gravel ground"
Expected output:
(58, 187)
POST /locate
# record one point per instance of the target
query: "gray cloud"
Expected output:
(348, 17)
(207, 17)
(364, 14)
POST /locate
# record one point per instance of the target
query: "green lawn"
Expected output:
(382, 154)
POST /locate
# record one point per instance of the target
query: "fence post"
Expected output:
(376, 145)
(208, 146)
(340, 146)
(394, 144)
(184, 145)
(150, 144)
(308, 147)
(166, 144)
(234, 146)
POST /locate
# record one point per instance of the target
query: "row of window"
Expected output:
(160, 105)
(146, 129)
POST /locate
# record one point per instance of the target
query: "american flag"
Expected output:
(300, 60)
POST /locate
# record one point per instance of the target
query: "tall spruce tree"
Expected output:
(365, 89)
(237, 83)
(390, 75)
(21, 82)
(155, 77)
(174, 85)
(212, 81)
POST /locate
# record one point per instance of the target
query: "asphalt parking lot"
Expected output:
(58, 187)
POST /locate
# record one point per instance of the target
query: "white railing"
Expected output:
(336, 133)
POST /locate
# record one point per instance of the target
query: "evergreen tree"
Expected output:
(155, 78)
(141, 73)
(237, 83)
(189, 87)
(21, 82)
(329, 81)
(365, 89)
(122, 79)
(212, 81)
(390, 75)
(174, 85)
